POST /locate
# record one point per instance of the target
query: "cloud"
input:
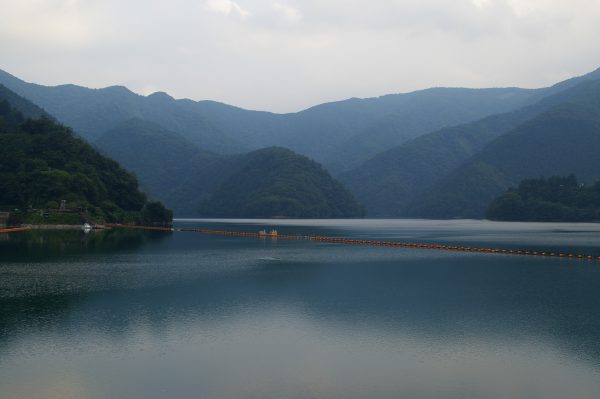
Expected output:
(227, 7)
(58, 23)
(289, 13)
(284, 55)
(481, 3)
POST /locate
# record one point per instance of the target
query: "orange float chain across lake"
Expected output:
(126, 226)
(341, 240)
(14, 229)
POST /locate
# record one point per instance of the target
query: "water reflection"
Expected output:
(48, 245)
(234, 317)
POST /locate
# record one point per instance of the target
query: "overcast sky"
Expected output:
(286, 55)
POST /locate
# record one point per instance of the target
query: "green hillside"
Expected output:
(557, 199)
(561, 141)
(276, 182)
(42, 163)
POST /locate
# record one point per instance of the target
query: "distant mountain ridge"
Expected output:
(341, 129)
(91, 112)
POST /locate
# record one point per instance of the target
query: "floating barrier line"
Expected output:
(14, 229)
(341, 240)
(126, 226)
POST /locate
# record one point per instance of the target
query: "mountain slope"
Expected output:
(277, 182)
(25, 107)
(391, 181)
(561, 141)
(426, 111)
(162, 160)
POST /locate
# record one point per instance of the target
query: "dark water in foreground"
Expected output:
(126, 314)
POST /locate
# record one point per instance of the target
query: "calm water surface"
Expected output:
(127, 314)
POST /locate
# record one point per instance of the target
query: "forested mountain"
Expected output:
(42, 163)
(276, 182)
(268, 182)
(561, 141)
(347, 132)
(556, 199)
(185, 152)
(394, 182)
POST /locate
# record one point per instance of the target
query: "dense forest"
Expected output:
(276, 182)
(556, 199)
(43, 163)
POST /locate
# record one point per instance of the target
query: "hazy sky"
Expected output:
(286, 55)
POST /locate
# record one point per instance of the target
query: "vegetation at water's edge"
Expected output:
(556, 199)
(42, 163)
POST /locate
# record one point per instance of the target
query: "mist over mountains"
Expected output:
(441, 152)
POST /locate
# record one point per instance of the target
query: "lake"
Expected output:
(134, 314)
